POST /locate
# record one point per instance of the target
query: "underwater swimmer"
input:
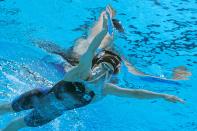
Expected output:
(73, 54)
(85, 83)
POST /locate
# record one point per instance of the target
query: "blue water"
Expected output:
(159, 35)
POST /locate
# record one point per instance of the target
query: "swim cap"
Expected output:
(109, 57)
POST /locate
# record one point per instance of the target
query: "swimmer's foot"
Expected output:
(5, 108)
(53, 48)
(48, 46)
(181, 73)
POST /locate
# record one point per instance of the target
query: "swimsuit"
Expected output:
(65, 96)
(48, 104)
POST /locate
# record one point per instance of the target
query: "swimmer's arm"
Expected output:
(98, 26)
(112, 89)
(132, 69)
(89, 54)
(81, 71)
(135, 71)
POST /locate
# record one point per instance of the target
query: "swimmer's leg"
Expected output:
(5, 108)
(68, 55)
(73, 54)
(98, 26)
(82, 45)
(15, 125)
(48, 46)
(23, 102)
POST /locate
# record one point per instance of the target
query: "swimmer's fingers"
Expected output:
(181, 73)
(103, 13)
(108, 9)
(181, 101)
(111, 10)
(174, 99)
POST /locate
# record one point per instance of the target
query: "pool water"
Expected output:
(159, 36)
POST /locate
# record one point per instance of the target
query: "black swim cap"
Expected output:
(109, 57)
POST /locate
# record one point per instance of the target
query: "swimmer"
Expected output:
(73, 54)
(85, 83)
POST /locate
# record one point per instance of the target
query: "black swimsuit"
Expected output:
(66, 95)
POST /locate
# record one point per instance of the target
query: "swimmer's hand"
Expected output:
(111, 11)
(181, 73)
(173, 99)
